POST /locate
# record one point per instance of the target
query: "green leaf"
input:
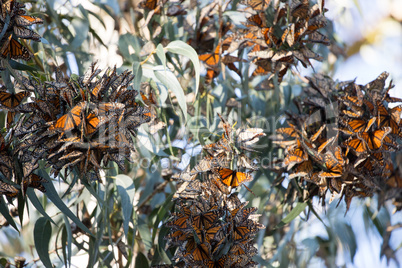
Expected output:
(141, 261)
(161, 54)
(179, 47)
(145, 234)
(81, 28)
(137, 72)
(42, 234)
(4, 211)
(125, 187)
(54, 197)
(69, 238)
(36, 203)
(170, 81)
(3, 262)
(292, 214)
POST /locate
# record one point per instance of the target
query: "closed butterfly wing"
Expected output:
(25, 33)
(25, 20)
(257, 5)
(8, 190)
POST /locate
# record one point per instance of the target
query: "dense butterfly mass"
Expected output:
(212, 227)
(80, 124)
(13, 25)
(341, 140)
(280, 36)
(276, 35)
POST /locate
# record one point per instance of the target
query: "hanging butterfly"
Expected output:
(220, 263)
(35, 181)
(205, 220)
(211, 59)
(8, 190)
(389, 118)
(257, 5)
(10, 102)
(374, 140)
(334, 163)
(14, 49)
(360, 125)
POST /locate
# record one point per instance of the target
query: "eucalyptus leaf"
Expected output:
(170, 81)
(42, 235)
(179, 47)
(292, 214)
(125, 187)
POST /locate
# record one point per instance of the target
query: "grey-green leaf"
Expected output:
(125, 187)
(292, 214)
(170, 81)
(42, 234)
(54, 197)
(179, 47)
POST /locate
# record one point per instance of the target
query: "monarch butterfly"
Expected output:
(242, 232)
(233, 178)
(295, 156)
(211, 59)
(211, 74)
(390, 118)
(249, 136)
(35, 181)
(24, 20)
(199, 252)
(299, 10)
(360, 125)
(257, 20)
(302, 170)
(204, 220)
(8, 190)
(149, 4)
(334, 163)
(14, 49)
(70, 120)
(258, 5)
(91, 124)
(220, 263)
(179, 220)
(148, 100)
(105, 108)
(25, 33)
(10, 100)
(374, 140)
(176, 238)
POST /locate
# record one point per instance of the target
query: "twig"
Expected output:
(157, 190)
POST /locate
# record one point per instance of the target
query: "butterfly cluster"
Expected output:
(341, 138)
(13, 25)
(213, 230)
(212, 227)
(11, 182)
(80, 124)
(280, 37)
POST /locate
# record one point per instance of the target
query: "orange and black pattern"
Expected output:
(81, 124)
(211, 227)
(15, 20)
(342, 138)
